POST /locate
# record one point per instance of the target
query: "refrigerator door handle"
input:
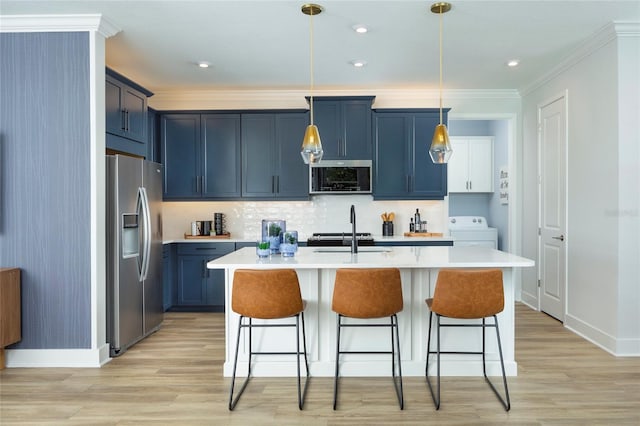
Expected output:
(146, 230)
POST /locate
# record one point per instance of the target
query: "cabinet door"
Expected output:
(326, 115)
(345, 128)
(215, 288)
(180, 135)
(480, 165)
(293, 174)
(167, 276)
(222, 162)
(134, 105)
(191, 280)
(458, 174)
(114, 116)
(429, 179)
(471, 164)
(356, 116)
(391, 177)
(258, 155)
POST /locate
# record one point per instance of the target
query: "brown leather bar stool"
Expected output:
(464, 294)
(369, 294)
(265, 295)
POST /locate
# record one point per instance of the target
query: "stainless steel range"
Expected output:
(332, 239)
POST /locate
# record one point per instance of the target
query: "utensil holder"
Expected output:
(387, 229)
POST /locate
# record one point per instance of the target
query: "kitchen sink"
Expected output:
(348, 249)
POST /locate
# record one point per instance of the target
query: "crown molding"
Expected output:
(295, 99)
(57, 23)
(601, 38)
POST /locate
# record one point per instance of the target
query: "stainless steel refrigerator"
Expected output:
(134, 251)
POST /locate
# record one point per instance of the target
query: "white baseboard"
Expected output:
(529, 300)
(67, 358)
(611, 344)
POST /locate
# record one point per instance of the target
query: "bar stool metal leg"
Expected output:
(233, 402)
(302, 393)
(434, 395)
(395, 349)
(335, 378)
(506, 401)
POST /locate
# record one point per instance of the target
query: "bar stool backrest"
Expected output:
(367, 293)
(468, 294)
(266, 294)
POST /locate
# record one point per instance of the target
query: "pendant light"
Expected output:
(440, 149)
(311, 145)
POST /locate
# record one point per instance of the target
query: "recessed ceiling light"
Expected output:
(203, 64)
(360, 29)
(358, 64)
(513, 63)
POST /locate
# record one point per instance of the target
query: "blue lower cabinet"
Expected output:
(199, 288)
(168, 276)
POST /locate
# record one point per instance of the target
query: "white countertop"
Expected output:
(371, 257)
(377, 238)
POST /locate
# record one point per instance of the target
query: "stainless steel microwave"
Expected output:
(340, 177)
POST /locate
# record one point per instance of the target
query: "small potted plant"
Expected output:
(262, 249)
(274, 234)
(289, 244)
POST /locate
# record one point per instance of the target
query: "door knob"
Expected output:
(561, 238)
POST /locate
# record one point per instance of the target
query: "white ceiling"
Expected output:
(265, 44)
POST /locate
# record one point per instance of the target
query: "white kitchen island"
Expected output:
(419, 268)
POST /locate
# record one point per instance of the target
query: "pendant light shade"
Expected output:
(311, 144)
(440, 149)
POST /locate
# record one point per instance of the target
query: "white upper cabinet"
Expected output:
(471, 164)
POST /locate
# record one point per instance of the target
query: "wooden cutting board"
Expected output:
(423, 234)
(208, 237)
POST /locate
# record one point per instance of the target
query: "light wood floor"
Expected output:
(174, 377)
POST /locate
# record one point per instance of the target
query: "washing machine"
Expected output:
(472, 231)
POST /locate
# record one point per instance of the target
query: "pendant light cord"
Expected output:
(311, 62)
(440, 64)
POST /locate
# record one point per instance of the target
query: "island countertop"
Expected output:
(419, 266)
(371, 257)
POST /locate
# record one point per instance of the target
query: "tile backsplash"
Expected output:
(323, 213)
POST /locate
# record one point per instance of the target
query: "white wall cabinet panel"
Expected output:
(471, 165)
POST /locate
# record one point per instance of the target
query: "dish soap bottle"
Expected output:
(416, 221)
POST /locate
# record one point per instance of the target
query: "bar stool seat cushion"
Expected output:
(459, 294)
(370, 293)
(279, 298)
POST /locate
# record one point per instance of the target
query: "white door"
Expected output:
(552, 191)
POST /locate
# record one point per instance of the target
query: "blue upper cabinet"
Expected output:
(126, 114)
(344, 124)
(402, 166)
(272, 167)
(201, 156)
(180, 139)
(220, 137)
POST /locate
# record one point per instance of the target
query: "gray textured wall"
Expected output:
(44, 183)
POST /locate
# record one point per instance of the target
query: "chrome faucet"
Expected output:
(354, 239)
